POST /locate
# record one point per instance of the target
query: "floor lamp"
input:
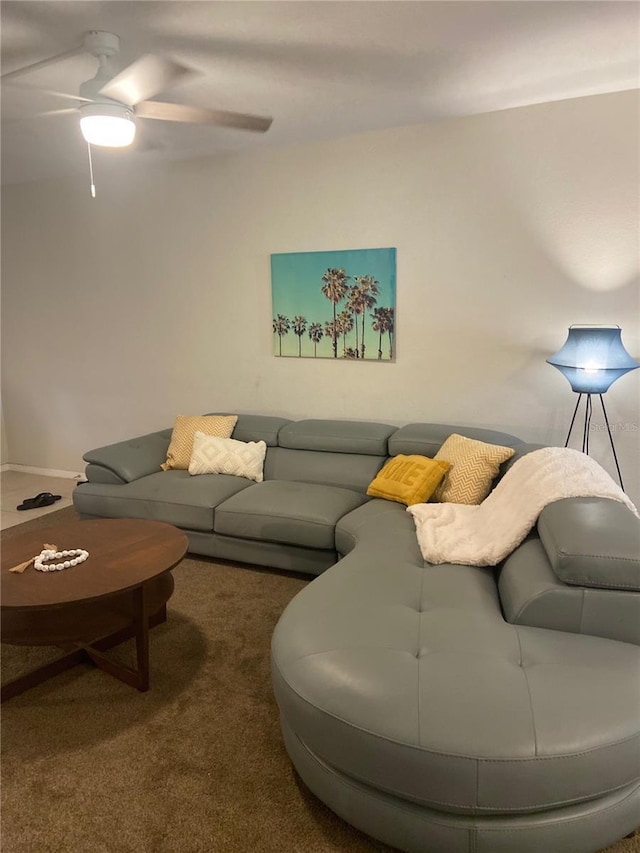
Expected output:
(592, 358)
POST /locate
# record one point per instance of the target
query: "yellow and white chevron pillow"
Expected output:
(474, 464)
(213, 455)
(184, 429)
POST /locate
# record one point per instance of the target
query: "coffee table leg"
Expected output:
(139, 677)
(77, 652)
(142, 637)
(37, 676)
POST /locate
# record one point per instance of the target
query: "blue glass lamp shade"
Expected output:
(592, 358)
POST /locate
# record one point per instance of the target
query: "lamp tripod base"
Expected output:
(587, 425)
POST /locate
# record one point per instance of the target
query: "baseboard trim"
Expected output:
(45, 472)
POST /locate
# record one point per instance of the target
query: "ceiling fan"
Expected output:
(110, 103)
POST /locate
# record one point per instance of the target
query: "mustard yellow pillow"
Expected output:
(408, 479)
(474, 464)
(184, 430)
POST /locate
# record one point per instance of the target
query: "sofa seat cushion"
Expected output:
(290, 513)
(379, 527)
(172, 496)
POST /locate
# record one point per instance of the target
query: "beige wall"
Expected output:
(154, 298)
(4, 452)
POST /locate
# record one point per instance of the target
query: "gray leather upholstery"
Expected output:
(171, 496)
(532, 594)
(426, 439)
(278, 555)
(409, 690)
(579, 828)
(443, 708)
(572, 531)
(337, 436)
(579, 572)
(401, 681)
(257, 428)
(292, 513)
(344, 470)
(389, 513)
(100, 474)
(134, 458)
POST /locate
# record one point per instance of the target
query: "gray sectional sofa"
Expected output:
(445, 708)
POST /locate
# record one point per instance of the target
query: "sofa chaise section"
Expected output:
(403, 692)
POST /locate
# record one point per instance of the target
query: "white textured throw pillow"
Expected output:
(212, 455)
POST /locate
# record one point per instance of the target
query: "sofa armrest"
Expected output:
(532, 594)
(593, 542)
(128, 460)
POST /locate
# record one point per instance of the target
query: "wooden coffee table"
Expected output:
(119, 592)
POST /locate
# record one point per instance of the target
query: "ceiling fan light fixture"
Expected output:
(110, 125)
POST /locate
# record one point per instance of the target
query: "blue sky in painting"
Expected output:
(296, 281)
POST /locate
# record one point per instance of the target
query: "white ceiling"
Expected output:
(320, 69)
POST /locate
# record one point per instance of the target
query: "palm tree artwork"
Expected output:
(354, 302)
(378, 325)
(368, 289)
(281, 326)
(299, 328)
(316, 334)
(337, 300)
(390, 329)
(345, 322)
(382, 323)
(334, 287)
(332, 331)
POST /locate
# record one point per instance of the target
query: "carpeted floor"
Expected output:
(197, 764)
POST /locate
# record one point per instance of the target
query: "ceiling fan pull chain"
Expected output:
(93, 186)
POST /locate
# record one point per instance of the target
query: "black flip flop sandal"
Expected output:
(43, 499)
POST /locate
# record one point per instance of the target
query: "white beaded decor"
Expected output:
(70, 558)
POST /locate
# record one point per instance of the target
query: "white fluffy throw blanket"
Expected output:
(484, 535)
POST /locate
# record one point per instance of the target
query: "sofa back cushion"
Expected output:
(257, 428)
(427, 439)
(337, 436)
(347, 454)
(346, 470)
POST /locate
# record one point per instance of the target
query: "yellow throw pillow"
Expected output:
(184, 430)
(408, 479)
(474, 464)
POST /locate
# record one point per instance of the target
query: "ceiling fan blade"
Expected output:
(145, 78)
(18, 72)
(63, 112)
(47, 113)
(56, 94)
(198, 115)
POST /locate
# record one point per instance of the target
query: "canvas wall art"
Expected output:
(334, 304)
